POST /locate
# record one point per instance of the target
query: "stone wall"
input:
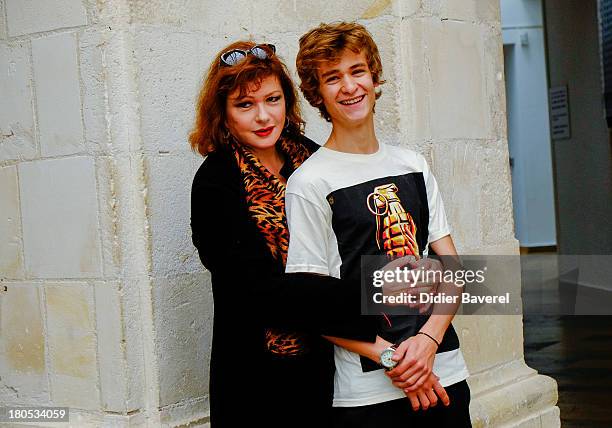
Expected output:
(106, 308)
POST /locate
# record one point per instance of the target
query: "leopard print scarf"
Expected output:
(265, 199)
(265, 194)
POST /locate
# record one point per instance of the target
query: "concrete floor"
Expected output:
(576, 350)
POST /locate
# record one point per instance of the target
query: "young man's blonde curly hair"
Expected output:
(325, 43)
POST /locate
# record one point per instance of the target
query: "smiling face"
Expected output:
(347, 89)
(256, 119)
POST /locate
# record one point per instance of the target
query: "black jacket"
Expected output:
(252, 292)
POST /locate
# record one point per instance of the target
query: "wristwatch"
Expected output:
(385, 358)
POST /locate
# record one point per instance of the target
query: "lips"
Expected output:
(352, 101)
(264, 132)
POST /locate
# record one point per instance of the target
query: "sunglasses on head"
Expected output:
(235, 56)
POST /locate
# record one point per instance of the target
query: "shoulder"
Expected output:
(309, 144)
(408, 156)
(307, 174)
(219, 168)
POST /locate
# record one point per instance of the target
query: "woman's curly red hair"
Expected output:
(210, 132)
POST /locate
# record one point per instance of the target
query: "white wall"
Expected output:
(583, 163)
(528, 122)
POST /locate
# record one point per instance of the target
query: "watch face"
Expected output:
(385, 359)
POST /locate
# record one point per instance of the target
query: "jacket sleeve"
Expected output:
(320, 304)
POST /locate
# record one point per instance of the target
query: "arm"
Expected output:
(368, 350)
(422, 397)
(234, 257)
(418, 352)
(420, 349)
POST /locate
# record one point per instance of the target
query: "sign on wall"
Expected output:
(559, 113)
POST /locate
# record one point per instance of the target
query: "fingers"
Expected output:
(432, 397)
(414, 382)
(399, 354)
(410, 375)
(441, 393)
(423, 399)
(405, 369)
(414, 401)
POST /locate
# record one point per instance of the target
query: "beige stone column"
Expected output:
(107, 309)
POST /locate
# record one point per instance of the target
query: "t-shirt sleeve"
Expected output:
(438, 225)
(308, 236)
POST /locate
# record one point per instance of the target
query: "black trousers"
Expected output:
(399, 413)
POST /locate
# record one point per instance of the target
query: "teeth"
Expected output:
(353, 101)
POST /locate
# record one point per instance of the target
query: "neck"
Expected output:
(359, 139)
(270, 158)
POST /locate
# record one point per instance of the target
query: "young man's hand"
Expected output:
(428, 394)
(416, 356)
(426, 283)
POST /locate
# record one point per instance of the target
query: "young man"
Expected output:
(354, 197)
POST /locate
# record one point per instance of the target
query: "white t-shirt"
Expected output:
(341, 206)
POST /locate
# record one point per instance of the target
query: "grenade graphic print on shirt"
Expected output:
(395, 228)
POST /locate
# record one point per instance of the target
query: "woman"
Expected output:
(268, 360)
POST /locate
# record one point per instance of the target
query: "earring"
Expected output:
(226, 135)
(287, 123)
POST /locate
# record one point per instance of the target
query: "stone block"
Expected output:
(58, 94)
(34, 16)
(194, 413)
(60, 218)
(551, 418)
(458, 107)
(23, 372)
(11, 258)
(107, 203)
(168, 98)
(72, 345)
(495, 85)
(497, 217)
(464, 10)
(136, 342)
(415, 81)
(182, 311)
(230, 18)
(111, 343)
(456, 166)
(168, 209)
(471, 10)
(489, 340)
(275, 16)
(2, 20)
(17, 140)
(521, 402)
(92, 44)
(431, 8)
(408, 8)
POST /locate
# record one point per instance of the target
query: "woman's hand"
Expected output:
(416, 356)
(428, 394)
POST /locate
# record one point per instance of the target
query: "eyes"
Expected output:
(357, 72)
(272, 99)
